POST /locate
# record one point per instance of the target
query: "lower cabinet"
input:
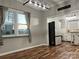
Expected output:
(58, 39)
(76, 39)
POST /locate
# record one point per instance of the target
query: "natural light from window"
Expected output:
(21, 19)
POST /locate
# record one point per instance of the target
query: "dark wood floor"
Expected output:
(64, 51)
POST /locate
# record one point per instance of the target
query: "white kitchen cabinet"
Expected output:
(67, 37)
(76, 39)
(58, 40)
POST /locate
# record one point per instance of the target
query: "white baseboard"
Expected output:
(2, 54)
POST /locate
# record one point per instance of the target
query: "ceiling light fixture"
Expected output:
(39, 5)
(35, 3)
(44, 7)
(70, 18)
(26, 2)
(30, 2)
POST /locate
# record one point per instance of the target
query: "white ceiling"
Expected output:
(51, 3)
(56, 2)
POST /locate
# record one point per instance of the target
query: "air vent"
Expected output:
(65, 7)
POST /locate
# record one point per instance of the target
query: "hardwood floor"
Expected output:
(64, 51)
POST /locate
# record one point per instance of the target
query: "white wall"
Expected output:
(37, 29)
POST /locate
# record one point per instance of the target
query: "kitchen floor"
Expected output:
(63, 51)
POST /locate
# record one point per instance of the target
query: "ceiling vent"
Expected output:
(63, 8)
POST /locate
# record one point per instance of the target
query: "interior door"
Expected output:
(52, 34)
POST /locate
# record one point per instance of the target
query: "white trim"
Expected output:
(2, 54)
(47, 34)
(15, 35)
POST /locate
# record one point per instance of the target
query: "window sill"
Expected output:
(13, 36)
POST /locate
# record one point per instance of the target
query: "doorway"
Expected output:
(51, 33)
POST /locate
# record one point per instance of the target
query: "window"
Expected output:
(15, 23)
(22, 24)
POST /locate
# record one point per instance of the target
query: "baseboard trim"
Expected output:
(6, 53)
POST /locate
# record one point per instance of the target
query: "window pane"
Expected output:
(22, 29)
(22, 26)
(8, 26)
(21, 19)
(8, 29)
